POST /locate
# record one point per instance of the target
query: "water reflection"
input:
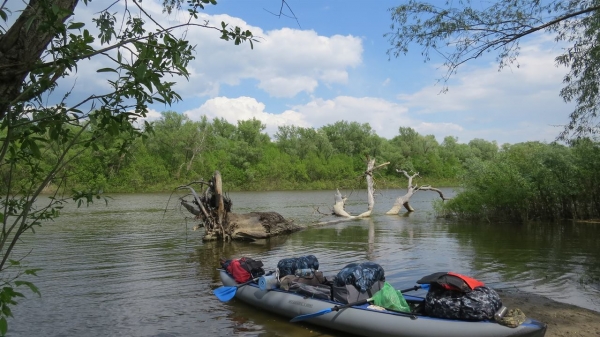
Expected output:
(130, 269)
(371, 249)
(558, 260)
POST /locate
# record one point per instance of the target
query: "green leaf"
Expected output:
(29, 22)
(17, 294)
(76, 25)
(31, 286)
(35, 150)
(105, 70)
(3, 15)
(6, 312)
(32, 271)
(14, 262)
(3, 326)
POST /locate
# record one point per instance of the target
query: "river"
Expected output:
(136, 267)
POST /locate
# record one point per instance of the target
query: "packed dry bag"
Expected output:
(456, 296)
(289, 266)
(357, 282)
(243, 269)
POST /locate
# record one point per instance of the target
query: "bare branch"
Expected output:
(403, 201)
(280, 14)
(429, 188)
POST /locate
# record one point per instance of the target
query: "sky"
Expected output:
(331, 64)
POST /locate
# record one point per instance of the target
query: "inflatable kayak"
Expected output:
(362, 321)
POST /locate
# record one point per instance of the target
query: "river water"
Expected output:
(136, 267)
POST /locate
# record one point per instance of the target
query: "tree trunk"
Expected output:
(411, 189)
(22, 46)
(340, 203)
(370, 186)
(218, 193)
(213, 209)
(338, 207)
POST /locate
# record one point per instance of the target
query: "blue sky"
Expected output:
(334, 67)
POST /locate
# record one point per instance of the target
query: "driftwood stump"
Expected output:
(213, 209)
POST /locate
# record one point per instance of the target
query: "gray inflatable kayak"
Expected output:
(360, 320)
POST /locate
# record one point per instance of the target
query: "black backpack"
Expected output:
(457, 296)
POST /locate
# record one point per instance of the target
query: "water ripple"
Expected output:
(131, 269)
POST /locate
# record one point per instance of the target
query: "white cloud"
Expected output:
(384, 117)
(512, 105)
(285, 62)
(244, 108)
(288, 87)
(440, 130)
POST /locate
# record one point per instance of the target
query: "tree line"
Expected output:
(532, 181)
(177, 150)
(517, 182)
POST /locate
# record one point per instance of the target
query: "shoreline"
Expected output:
(562, 319)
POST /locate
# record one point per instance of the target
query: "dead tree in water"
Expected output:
(403, 200)
(213, 209)
(338, 207)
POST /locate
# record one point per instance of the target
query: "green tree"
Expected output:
(483, 149)
(492, 190)
(453, 156)
(419, 153)
(301, 142)
(250, 131)
(352, 138)
(45, 41)
(287, 138)
(463, 30)
(587, 160)
(248, 147)
(532, 181)
(179, 142)
(223, 129)
(144, 172)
